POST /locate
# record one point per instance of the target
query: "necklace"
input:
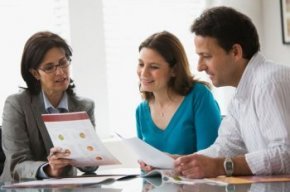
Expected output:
(162, 114)
(163, 111)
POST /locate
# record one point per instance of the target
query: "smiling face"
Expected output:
(224, 69)
(58, 81)
(153, 71)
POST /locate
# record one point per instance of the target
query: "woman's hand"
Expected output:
(145, 167)
(148, 168)
(57, 161)
(173, 156)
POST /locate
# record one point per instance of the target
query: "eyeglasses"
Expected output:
(51, 68)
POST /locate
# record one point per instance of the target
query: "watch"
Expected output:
(229, 166)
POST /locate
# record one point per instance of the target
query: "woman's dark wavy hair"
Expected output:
(34, 51)
(228, 27)
(171, 49)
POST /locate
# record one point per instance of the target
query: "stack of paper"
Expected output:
(64, 182)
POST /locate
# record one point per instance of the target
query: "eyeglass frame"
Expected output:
(59, 65)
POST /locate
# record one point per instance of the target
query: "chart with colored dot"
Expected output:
(74, 132)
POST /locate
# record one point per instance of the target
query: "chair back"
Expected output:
(2, 155)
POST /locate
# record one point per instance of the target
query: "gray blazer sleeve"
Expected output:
(23, 156)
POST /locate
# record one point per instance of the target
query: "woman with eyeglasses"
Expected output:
(29, 151)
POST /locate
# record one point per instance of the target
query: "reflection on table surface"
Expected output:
(155, 185)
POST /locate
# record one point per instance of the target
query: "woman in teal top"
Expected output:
(179, 114)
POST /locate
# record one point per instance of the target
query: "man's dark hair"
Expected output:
(228, 27)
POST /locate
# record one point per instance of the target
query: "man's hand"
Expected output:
(199, 166)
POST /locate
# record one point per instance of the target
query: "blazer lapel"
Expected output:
(72, 106)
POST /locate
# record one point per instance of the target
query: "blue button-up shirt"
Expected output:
(62, 107)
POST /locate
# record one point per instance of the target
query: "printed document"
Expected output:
(74, 132)
(63, 182)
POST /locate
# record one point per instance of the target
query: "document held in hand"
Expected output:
(149, 154)
(74, 132)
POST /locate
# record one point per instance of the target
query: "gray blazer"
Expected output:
(25, 140)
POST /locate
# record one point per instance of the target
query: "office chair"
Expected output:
(2, 155)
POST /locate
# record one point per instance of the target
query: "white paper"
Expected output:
(169, 176)
(149, 154)
(78, 181)
(75, 132)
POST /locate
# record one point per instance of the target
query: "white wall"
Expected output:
(274, 49)
(89, 65)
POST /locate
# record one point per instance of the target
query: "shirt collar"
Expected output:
(63, 104)
(247, 79)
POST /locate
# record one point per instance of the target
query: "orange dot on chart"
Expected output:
(90, 148)
(99, 158)
(82, 135)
